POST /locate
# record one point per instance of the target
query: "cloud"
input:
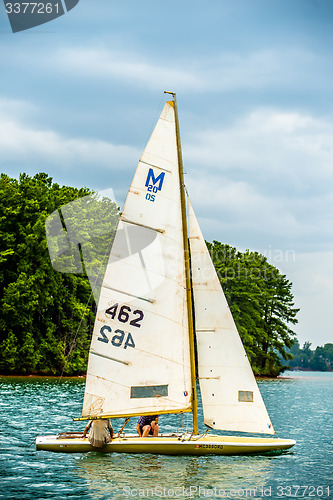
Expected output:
(21, 142)
(267, 174)
(216, 72)
(271, 142)
(134, 69)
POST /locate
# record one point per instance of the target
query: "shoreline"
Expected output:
(83, 377)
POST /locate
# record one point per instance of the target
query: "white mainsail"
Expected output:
(139, 360)
(230, 395)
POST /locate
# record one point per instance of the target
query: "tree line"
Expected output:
(305, 358)
(47, 317)
(262, 305)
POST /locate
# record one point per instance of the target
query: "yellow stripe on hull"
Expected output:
(168, 445)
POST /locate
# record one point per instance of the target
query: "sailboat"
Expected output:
(161, 307)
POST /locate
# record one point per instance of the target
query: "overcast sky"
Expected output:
(79, 97)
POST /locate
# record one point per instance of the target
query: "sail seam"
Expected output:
(142, 225)
(151, 301)
(109, 357)
(206, 330)
(156, 166)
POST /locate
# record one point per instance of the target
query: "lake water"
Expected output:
(300, 405)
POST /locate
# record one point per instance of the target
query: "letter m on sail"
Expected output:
(156, 181)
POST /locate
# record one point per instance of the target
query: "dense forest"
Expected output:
(261, 303)
(47, 316)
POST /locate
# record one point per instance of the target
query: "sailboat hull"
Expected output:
(168, 445)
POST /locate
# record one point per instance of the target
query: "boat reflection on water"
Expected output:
(155, 476)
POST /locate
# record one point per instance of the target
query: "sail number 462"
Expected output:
(124, 314)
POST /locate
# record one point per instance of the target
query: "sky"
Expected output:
(80, 95)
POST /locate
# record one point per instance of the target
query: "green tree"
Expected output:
(262, 305)
(322, 358)
(46, 316)
(295, 352)
(306, 355)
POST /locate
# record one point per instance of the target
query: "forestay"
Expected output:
(139, 357)
(230, 395)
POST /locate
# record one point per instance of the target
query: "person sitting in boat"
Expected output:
(100, 432)
(147, 426)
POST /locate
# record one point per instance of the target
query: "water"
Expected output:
(300, 406)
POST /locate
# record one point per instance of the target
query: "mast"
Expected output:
(187, 268)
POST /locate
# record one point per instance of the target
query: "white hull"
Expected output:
(168, 445)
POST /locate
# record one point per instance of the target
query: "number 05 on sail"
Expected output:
(142, 354)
